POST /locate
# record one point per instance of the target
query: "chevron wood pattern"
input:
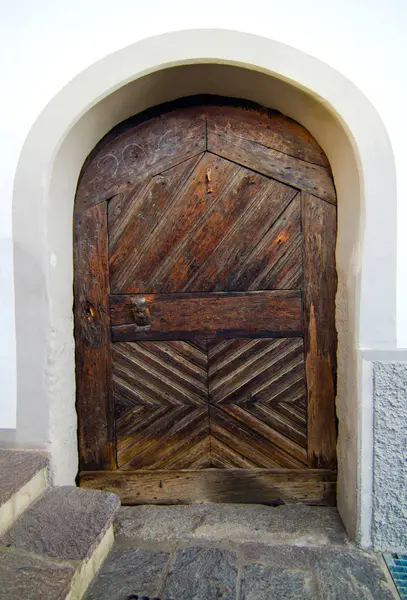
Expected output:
(228, 404)
(161, 408)
(258, 402)
(204, 303)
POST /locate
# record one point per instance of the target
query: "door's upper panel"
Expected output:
(206, 224)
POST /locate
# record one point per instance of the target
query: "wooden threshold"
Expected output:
(254, 486)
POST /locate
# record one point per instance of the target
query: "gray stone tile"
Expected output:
(260, 582)
(64, 523)
(202, 574)
(350, 575)
(159, 523)
(17, 467)
(287, 525)
(129, 571)
(287, 557)
(26, 577)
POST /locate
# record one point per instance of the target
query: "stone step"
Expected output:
(23, 478)
(64, 538)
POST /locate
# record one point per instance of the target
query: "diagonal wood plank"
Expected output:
(154, 373)
(232, 143)
(134, 213)
(253, 384)
(141, 152)
(271, 128)
(250, 437)
(232, 263)
(159, 438)
(257, 370)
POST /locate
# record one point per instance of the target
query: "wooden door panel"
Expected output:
(93, 348)
(135, 155)
(136, 212)
(220, 254)
(217, 314)
(249, 380)
(161, 404)
(270, 128)
(227, 137)
(206, 225)
(257, 370)
(204, 310)
(190, 206)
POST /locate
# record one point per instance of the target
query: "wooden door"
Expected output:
(204, 309)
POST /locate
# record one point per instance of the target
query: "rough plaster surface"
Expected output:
(389, 522)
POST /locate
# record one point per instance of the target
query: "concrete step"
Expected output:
(55, 548)
(23, 478)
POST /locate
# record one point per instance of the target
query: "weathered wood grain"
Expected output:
(221, 278)
(92, 336)
(320, 282)
(232, 139)
(256, 486)
(271, 128)
(257, 370)
(175, 235)
(216, 314)
(140, 153)
(136, 212)
(162, 395)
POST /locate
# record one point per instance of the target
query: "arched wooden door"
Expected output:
(204, 309)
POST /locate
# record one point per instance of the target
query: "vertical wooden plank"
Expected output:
(320, 282)
(92, 340)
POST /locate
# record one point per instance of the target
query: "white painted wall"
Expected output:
(45, 44)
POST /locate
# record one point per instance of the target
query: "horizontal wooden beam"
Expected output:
(256, 486)
(211, 314)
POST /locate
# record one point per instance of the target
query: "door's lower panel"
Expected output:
(254, 486)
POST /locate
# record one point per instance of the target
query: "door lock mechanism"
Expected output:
(141, 312)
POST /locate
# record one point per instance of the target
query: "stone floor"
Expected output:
(237, 552)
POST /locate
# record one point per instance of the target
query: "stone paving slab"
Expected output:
(284, 557)
(287, 525)
(17, 467)
(64, 523)
(202, 573)
(130, 571)
(210, 552)
(351, 575)
(265, 583)
(25, 577)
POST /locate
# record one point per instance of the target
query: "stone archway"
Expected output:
(161, 69)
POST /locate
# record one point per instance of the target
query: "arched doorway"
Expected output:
(204, 308)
